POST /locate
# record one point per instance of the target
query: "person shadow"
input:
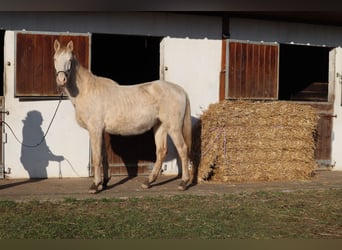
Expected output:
(35, 153)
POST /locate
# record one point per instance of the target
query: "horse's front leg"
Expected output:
(96, 139)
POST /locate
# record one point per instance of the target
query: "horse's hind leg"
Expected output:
(182, 149)
(160, 137)
(105, 166)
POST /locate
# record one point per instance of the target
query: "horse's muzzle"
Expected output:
(61, 78)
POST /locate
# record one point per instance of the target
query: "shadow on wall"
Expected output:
(35, 153)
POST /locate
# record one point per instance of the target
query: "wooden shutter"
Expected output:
(252, 70)
(35, 73)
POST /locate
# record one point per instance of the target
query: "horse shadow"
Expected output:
(134, 154)
(23, 182)
(196, 152)
(134, 150)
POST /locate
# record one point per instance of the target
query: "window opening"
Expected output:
(126, 59)
(303, 73)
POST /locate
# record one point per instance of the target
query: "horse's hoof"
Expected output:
(146, 185)
(182, 186)
(93, 189)
(105, 183)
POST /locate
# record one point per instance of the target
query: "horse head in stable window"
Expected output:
(102, 105)
(63, 62)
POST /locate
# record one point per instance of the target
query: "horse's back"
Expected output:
(171, 98)
(168, 100)
(136, 108)
(164, 89)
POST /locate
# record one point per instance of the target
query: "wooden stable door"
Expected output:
(35, 72)
(252, 70)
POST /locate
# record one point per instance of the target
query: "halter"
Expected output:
(66, 73)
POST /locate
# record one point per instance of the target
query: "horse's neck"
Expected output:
(80, 81)
(83, 77)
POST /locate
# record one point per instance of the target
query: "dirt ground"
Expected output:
(123, 187)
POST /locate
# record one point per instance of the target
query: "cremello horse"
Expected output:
(103, 105)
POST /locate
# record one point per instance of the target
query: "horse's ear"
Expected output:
(70, 45)
(56, 45)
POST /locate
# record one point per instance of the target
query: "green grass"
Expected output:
(259, 215)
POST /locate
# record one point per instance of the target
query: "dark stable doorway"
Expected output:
(303, 73)
(2, 101)
(127, 60)
(2, 42)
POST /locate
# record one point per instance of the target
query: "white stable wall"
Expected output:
(192, 63)
(336, 77)
(65, 150)
(195, 65)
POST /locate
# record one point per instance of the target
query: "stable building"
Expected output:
(213, 56)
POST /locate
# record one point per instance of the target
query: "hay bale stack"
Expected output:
(257, 141)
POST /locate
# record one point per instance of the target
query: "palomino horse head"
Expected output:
(63, 62)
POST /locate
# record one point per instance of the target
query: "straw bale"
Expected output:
(255, 140)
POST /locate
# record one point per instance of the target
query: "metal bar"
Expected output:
(328, 116)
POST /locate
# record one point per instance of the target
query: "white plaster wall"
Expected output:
(195, 65)
(336, 67)
(192, 63)
(65, 137)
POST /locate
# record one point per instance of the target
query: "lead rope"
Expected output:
(47, 131)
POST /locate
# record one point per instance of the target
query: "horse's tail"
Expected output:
(187, 126)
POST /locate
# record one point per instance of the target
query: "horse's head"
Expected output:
(63, 62)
